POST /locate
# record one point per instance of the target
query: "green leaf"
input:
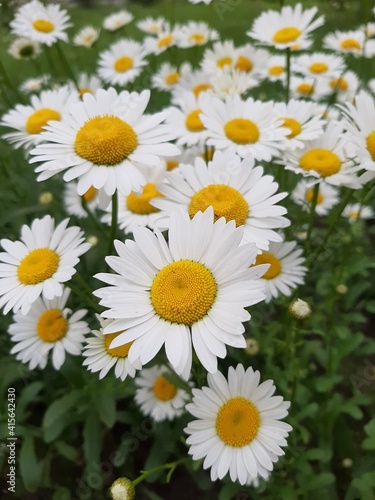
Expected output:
(105, 403)
(59, 408)
(92, 443)
(30, 468)
(320, 481)
(27, 396)
(365, 484)
(67, 451)
(318, 454)
(369, 442)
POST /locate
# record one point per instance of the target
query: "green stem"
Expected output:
(312, 216)
(87, 300)
(171, 466)
(287, 68)
(66, 63)
(112, 233)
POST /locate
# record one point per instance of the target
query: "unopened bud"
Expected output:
(299, 309)
(342, 289)
(93, 240)
(45, 198)
(252, 347)
(122, 489)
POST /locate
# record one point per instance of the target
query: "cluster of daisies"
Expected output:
(192, 189)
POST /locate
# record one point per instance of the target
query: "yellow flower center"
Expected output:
(201, 88)
(286, 35)
(172, 78)
(163, 389)
(52, 326)
(154, 28)
(370, 143)
(183, 292)
(43, 25)
(305, 88)
(140, 203)
(90, 194)
(193, 122)
(353, 215)
(38, 265)
(226, 201)
(84, 90)
(198, 38)
(117, 352)
(293, 125)
(323, 161)
(242, 131)
(123, 64)
(171, 164)
(237, 422)
(318, 67)
(244, 64)
(105, 140)
(309, 196)
(275, 265)
(224, 61)
(88, 39)
(39, 119)
(165, 41)
(350, 44)
(276, 70)
(338, 84)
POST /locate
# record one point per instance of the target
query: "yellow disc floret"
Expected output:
(286, 35)
(275, 265)
(38, 265)
(123, 64)
(90, 194)
(163, 389)
(165, 41)
(172, 78)
(193, 122)
(43, 26)
(52, 326)
(201, 88)
(293, 125)
(117, 352)
(350, 44)
(275, 70)
(242, 131)
(140, 203)
(224, 61)
(244, 64)
(237, 422)
(183, 292)
(323, 161)
(318, 67)
(39, 119)
(305, 88)
(226, 201)
(370, 143)
(105, 140)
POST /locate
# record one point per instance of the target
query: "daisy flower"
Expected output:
(168, 75)
(327, 158)
(157, 397)
(274, 70)
(38, 264)
(151, 25)
(49, 327)
(135, 209)
(287, 28)
(243, 127)
(34, 84)
(186, 121)
(43, 24)
(221, 55)
(238, 428)
(193, 290)
(86, 37)
(328, 197)
(24, 48)
(234, 188)
(30, 120)
(355, 211)
(360, 123)
(196, 33)
(99, 357)
(286, 270)
(344, 86)
(117, 20)
(251, 60)
(100, 138)
(318, 64)
(301, 120)
(195, 81)
(73, 202)
(230, 82)
(163, 40)
(122, 62)
(346, 42)
(88, 83)
(304, 87)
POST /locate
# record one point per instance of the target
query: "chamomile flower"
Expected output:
(235, 188)
(318, 64)
(251, 60)
(24, 48)
(221, 55)
(346, 42)
(304, 87)
(285, 29)
(193, 290)
(243, 126)
(238, 428)
(196, 33)
(88, 83)
(168, 75)
(43, 24)
(122, 62)
(163, 40)
(30, 120)
(328, 197)
(286, 270)
(274, 70)
(117, 20)
(33, 85)
(86, 37)
(355, 211)
(327, 158)
(301, 119)
(230, 82)
(157, 397)
(135, 209)
(38, 264)
(48, 328)
(74, 203)
(99, 357)
(151, 25)
(185, 118)
(101, 138)
(195, 81)
(344, 86)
